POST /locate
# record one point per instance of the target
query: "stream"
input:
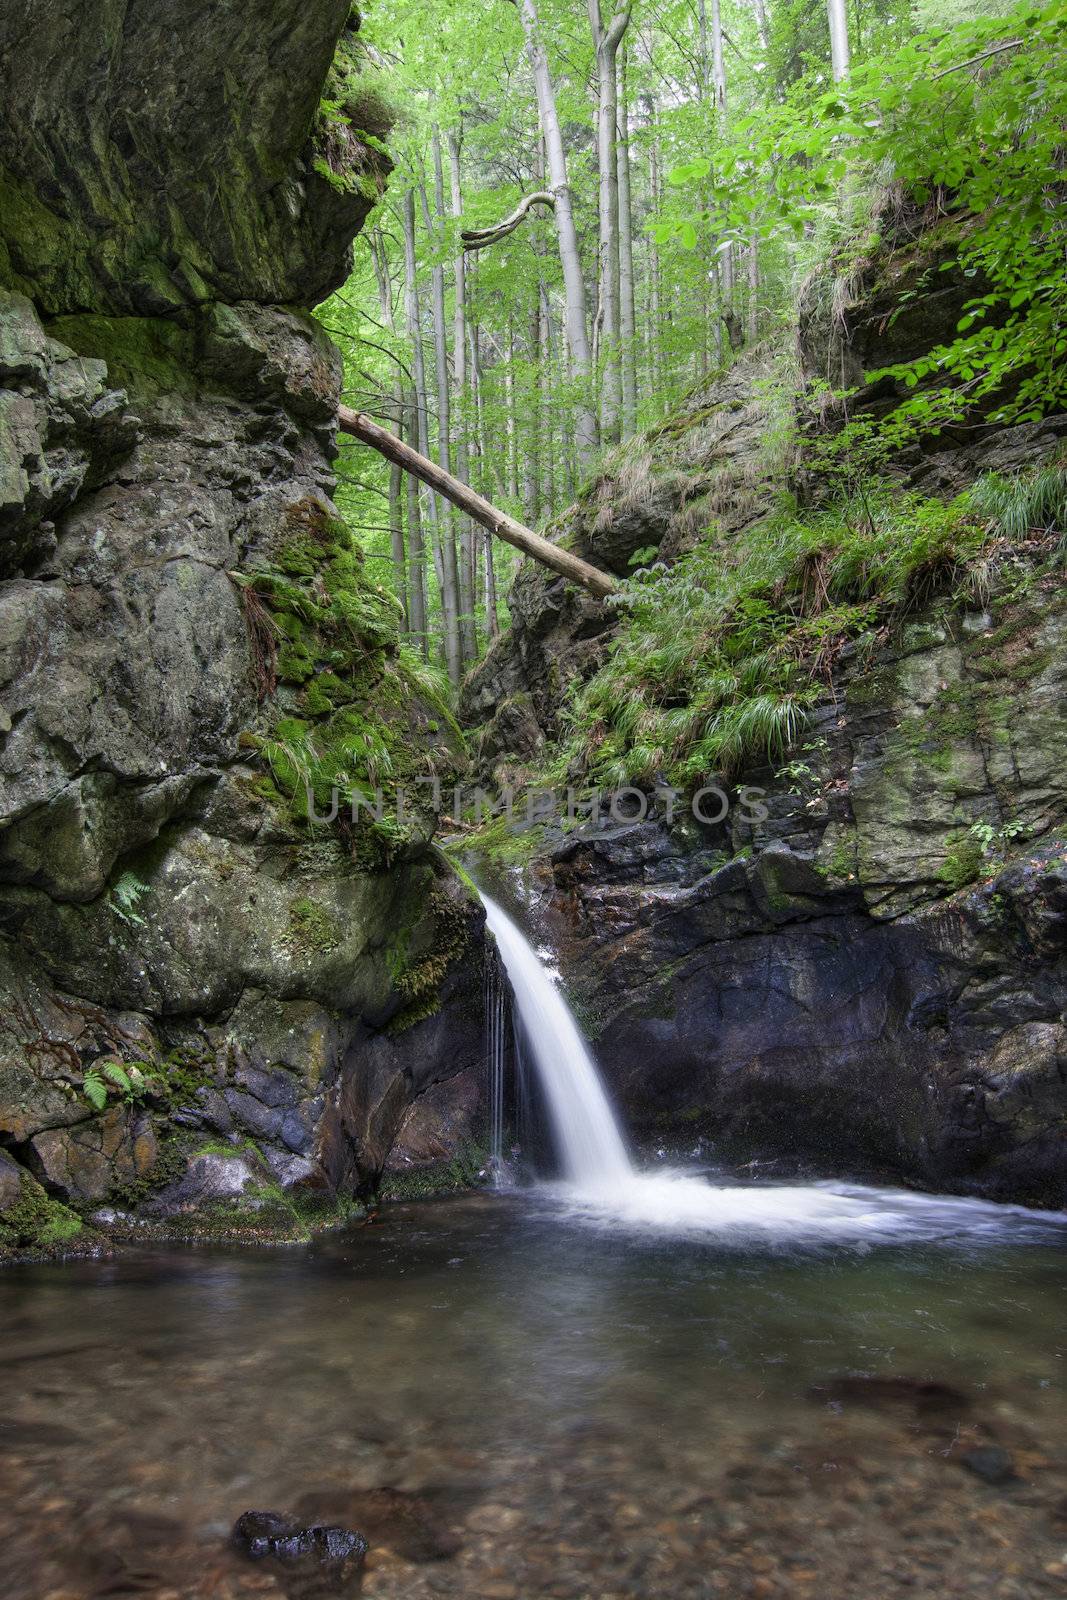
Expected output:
(510, 1402)
(618, 1383)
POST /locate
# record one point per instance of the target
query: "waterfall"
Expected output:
(587, 1137)
(602, 1188)
(496, 1050)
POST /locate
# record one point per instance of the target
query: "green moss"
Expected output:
(36, 1221)
(371, 715)
(875, 688)
(143, 354)
(460, 1172)
(169, 1165)
(505, 843)
(311, 927)
(963, 862)
(419, 982)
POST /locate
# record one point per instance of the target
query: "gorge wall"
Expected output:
(852, 983)
(257, 1002)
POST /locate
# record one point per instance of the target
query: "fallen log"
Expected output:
(359, 426)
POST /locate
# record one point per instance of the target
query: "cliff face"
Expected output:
(874, 976)
(258, 1000)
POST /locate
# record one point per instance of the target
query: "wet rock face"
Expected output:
(123, 652)
(157, 157)
(761, 986)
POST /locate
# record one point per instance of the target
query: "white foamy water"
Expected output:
(682, 1205)
(602, 1188)
(587, 1137)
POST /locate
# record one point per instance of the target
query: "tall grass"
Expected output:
(720, 657)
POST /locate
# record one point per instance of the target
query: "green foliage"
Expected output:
(463, 1170)
(720, 657)
(966, 120)
(312, 926)
(36, 1221)
(1026, 505)
(353, 712)
(127, 892)
(963, 862)
(129, 1078)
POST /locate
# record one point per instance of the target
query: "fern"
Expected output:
(126, 894)
(94, 1089)
(130, 1081)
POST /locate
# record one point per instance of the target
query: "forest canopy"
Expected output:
(653, 189)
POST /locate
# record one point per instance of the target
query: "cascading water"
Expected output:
(587, 1137)
(601, 1185)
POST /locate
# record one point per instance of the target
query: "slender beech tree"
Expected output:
(839, 52)
(447, 584)
(606, 42)
(627, 307)
(467, 580)
(576, 318)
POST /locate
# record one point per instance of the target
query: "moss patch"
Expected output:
(419, 983)
(355, 716)
(963, 862)
(37, 1222)
(311, 926)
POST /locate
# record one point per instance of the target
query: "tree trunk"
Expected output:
(726, 257)
(512, 421)
(416, 549)
(445, 573)
(492, 621)
(359, 426)
(656, 275)
(627, 309)
(838, 15)
(566, 233)
(468, 630)
(762, 24)
(396, 508)
(449, 559)
(547, 418)
(531, 480)
(396, 541)
(606, 43)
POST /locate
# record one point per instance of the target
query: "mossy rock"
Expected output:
(36, 1223)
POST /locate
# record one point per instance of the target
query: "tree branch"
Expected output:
(478, 238)
(976, 61)
(360, 426)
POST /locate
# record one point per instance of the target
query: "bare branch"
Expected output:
(478, 238)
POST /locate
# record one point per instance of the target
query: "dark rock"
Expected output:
(171, 422)
(991, 1463)
(10, 1180)
(417, 1524)
(87, 223)
(926, 1396)
(266, 1533)
(211, 1176)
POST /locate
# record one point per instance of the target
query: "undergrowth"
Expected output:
(721, 656)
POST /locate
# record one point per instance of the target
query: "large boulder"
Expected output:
(162, 156)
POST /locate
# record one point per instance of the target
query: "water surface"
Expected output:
(513, 1400)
